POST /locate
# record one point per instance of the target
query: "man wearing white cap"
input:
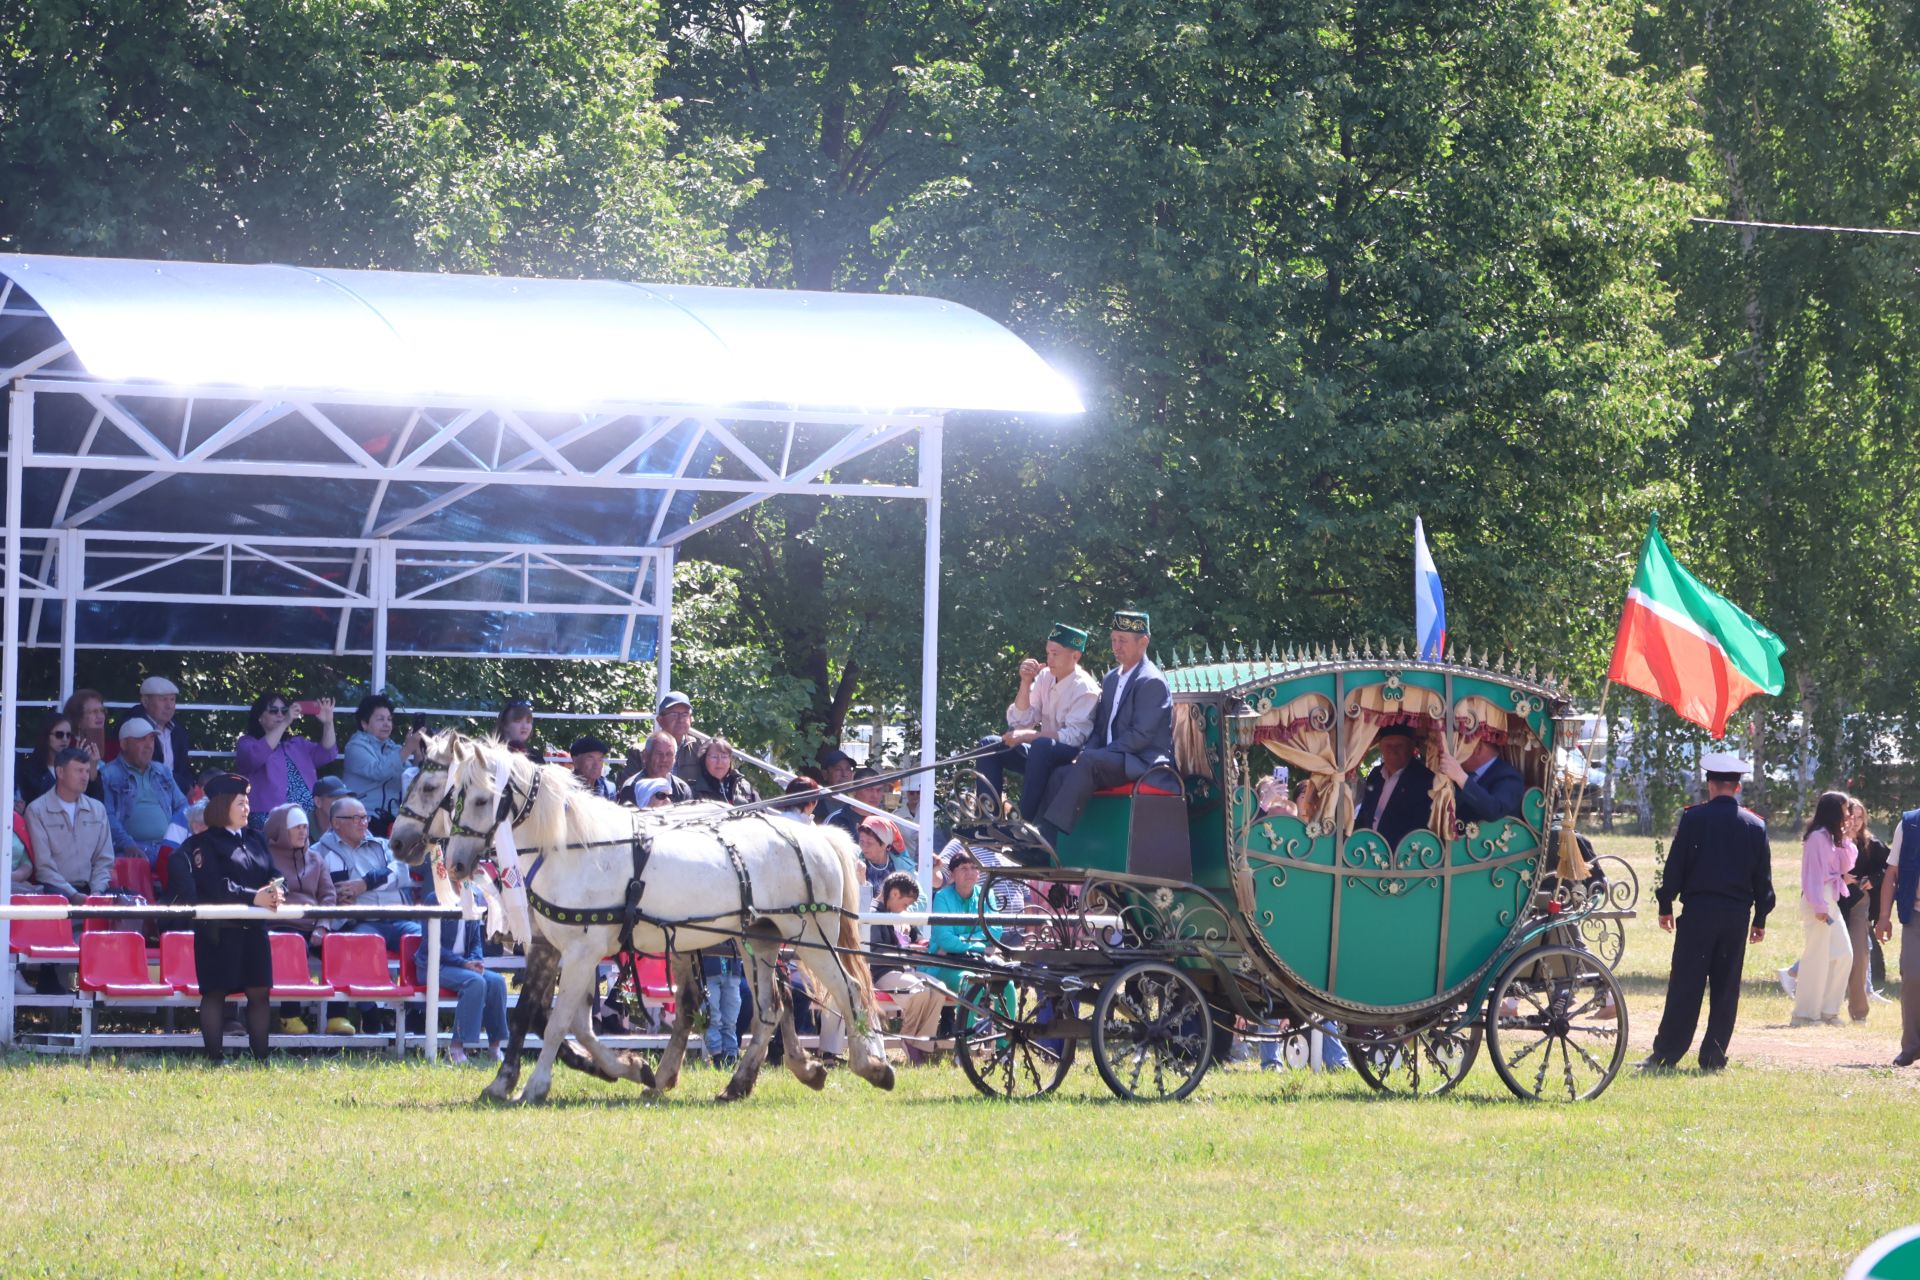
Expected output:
(1721, 865)
(172, 747)
(141, 796)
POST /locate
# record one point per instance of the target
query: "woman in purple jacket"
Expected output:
(280, 767)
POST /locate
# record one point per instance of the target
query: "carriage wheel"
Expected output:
(1557, 1025)
(1007, 1053)
(1152, 1034)
(1427, 1063)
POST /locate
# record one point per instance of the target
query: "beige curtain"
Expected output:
(1190, 741)
(1301, 734)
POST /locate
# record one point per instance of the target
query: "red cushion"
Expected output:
(1136, 791)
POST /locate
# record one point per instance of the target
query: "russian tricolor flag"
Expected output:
(1429, 601)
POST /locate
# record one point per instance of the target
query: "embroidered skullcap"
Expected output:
(1134, 623)
(1071, 637)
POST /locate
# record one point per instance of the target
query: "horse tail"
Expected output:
(851, 951)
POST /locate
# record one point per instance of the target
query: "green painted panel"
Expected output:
(1485, 903)
(1285, 691)
(1389, 945)
(1511, 701)
(1293, 906)
(1098, 841)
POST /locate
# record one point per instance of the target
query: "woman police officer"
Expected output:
(231, 864)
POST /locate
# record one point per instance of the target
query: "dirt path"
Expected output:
(1765, 1040)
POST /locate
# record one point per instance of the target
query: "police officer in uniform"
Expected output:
(231, 864)
(1720, 864)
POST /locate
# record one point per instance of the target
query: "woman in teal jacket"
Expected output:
(961, 895)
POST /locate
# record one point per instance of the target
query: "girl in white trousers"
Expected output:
(1826, 856)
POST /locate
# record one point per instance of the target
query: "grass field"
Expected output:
(149, 1166)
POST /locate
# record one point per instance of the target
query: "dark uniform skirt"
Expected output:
(232, 957)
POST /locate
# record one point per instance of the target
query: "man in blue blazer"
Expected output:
(1132, 729)
(1397, 796)
(1488, 786)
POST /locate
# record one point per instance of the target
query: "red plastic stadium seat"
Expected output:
(176, 962)
(135, 875)
(1136, 791)
(114, 963)
(291, 978)
(355, 964)
(656, 984)
(100, 926)
(410, 944)
(45, 940)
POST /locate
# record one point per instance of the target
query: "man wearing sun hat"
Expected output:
(1721, 866)
(1050, 716)
(1132, 728)
(141, 794)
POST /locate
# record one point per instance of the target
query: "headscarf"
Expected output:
(886, 832)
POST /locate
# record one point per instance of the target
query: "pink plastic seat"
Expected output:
(113, 962)
(355, 964)
(43, 940)
(176, 962)
(135, 875)
(292, 980)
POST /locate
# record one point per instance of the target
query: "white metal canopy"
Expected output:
(278, 458)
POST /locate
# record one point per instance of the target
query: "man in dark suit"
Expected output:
(1132, 729)
(1397, 796)
(1488, 787)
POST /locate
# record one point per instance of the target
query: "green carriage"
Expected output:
(1183, 906)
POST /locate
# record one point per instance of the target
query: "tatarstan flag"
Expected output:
(1688, 645)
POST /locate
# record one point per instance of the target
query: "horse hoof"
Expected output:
(731, 1094)
(496, 1095)
(884, 1079)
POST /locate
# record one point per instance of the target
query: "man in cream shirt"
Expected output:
(1049, 718)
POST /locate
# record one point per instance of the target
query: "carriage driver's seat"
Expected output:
(1139, 828)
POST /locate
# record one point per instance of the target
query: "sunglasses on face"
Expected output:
(276, 711)
(60, 734)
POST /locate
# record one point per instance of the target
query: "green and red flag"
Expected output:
(1688, 645)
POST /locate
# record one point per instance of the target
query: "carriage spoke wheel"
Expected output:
(1005, 1051)
(1426, 1063)
(1152, 1034)
(1557, 1025)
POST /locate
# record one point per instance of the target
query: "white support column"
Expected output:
(380, 588)
(73, 573)
(19, 441)
(663, 648)
(930, 443)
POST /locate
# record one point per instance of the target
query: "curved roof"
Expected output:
(544, 343)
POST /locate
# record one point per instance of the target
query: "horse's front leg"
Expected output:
(536, 993)
(746, 1072)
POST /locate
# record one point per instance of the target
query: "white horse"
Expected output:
(709, 878)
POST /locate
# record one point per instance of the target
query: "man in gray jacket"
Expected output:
(1132, 729)
(67, 828)
(363, 870)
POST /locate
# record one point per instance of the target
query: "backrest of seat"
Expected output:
(409, 950)
(101, 926)
(112, 956)
(176, 959)
(354, 959)
(39, 933)
(1158, 841)
(290, 968)
(135, 875)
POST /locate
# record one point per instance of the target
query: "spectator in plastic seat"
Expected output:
(883, 851)
(718, 779)
(800, 811)
(86, 710)
(231, 864)
(651, 793)
(326, 791)
(280, 766)
(836, 769)
(176, 885)
(68, 832)
(374, 760)
(305, 872)
(36, 771)
(364, 871)
(514, 726)
(172, 747)
(673, 716)
(142, 796)
(962, 896)
(914, 994)
(590, 765)
(657, 755)
(480, 993)
(848, 817)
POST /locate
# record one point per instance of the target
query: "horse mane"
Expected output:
(561, 802)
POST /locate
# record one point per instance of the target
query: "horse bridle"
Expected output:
(454, 805)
